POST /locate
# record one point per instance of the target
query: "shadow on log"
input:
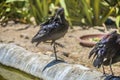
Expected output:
(42, 66)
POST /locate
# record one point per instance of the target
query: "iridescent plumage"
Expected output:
(53, 29)
(106, 49)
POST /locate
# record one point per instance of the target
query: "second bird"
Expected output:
(106, 50)
(53, 29)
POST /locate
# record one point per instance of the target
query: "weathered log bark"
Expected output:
(43, 66)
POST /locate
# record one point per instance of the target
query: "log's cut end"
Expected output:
(43, 66)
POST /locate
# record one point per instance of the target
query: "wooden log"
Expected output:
(43, 66)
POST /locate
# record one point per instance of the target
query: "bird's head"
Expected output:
(114, 37)
(59, 14)
(108, 37)
(60, 11)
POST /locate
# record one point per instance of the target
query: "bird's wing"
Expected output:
(101, 49)
(100, 44)
(40, 33)
(115, 59)
(46, 30)
(50, 20)
(95, 50)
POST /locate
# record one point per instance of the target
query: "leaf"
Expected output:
(118, 21)
(96, 11)
(86, 11)
(9, 1)
(104, 17)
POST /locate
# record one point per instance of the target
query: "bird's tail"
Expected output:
(32, 41)
(36, 40)
(98, 62)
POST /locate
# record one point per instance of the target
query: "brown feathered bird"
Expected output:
(106, 50)
(53, 29)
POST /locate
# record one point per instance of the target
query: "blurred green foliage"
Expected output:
(16, 10)
(42, 9)
(91, 12)
(80, 12)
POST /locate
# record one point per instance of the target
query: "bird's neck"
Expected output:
(64, 21)
(62, 17)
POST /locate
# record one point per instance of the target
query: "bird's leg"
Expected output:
(59, 44)
(111, 67)
(103, 70)
(55, 52)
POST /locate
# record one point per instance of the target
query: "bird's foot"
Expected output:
(58, 61)
(59, 44)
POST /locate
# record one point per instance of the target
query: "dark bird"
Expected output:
(106, 50)
(53, 29)
(115, 59)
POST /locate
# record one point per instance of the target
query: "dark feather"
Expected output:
(97, 62)
(53, 29)
(115, 59)
(105, 49)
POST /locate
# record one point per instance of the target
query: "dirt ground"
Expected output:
(73, 52)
